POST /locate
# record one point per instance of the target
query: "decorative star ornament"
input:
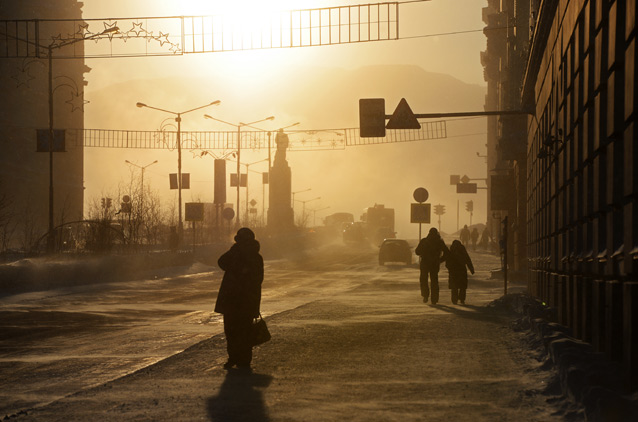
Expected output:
(137, 28)
(57, 41)
(77, 101)
(23, 77)
(109, 26)
(162, 38)
(83, 30)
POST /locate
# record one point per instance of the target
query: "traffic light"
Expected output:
(108, 202)
(439, 209)
(469, 206)
(103, 202)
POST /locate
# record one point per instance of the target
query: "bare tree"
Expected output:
(28, 226)
(7, 222)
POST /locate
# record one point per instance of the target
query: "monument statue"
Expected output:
(280, 213)
(282, 144)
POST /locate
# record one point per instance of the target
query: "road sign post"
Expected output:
(420, 212)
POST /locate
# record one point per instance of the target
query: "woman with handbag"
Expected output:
(239, 296)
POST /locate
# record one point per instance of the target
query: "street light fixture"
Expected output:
(178, 119)
(293, 197)
(247, 171)
(314, 215)
(303, 212)
(142, 192)
(238, 126)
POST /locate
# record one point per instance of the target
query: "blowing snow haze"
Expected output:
(347, 180)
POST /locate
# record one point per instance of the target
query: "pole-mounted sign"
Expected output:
(372, 116)
(420, 213)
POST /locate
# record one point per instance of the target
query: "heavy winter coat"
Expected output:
(432, 251)
(457, 263)
(240, 290)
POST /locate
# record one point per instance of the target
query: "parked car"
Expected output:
(395, 250)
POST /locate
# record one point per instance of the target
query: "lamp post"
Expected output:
(247, 170)
(142, 192)
(293, 197)
(314, 215)
(50, 48)
(178, 119)
(303, 212)
(238, 126)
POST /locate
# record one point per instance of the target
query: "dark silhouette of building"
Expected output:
(24, 173)
(571, 166)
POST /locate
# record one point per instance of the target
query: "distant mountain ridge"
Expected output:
(315, 96)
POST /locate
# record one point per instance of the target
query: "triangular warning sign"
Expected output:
(403, 118)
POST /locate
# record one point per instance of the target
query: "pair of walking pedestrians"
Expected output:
(433, 252)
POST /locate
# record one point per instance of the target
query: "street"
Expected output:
(351, 340)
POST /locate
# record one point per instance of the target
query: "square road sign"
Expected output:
(420, 213)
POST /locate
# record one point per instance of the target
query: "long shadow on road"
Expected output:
(240, 398)
(472, 311)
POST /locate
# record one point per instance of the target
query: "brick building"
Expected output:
(575, 172)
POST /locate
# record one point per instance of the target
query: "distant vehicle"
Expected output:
(338, 219)
(379, 222)
(395, 250)
(354, 233)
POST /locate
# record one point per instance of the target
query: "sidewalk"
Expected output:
(375, 353)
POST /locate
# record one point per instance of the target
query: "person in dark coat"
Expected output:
(465, 235)
(432, 251)
(239, 295)
(474, 237)
(457, 263)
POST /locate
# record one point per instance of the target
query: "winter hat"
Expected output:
(244, 234)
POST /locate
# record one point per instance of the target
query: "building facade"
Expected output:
(24, 172)
(580, 164)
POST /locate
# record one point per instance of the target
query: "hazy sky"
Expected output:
(457, 55)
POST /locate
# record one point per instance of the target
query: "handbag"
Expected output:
(260, 333)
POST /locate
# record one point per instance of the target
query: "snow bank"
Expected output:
(35, 274)
(586, 377)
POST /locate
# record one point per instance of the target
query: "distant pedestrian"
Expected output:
(173, 239)
(465, 235)
(239, 295)
(457, 263)
(432, 251)
(474, 237)
(485, 239)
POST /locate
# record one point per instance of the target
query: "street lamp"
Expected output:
(247, 170)
(50, 48)
(238, 126)
(142, 192)
(178, 119)
(293, 197)
(303, 212)
(314, 215)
